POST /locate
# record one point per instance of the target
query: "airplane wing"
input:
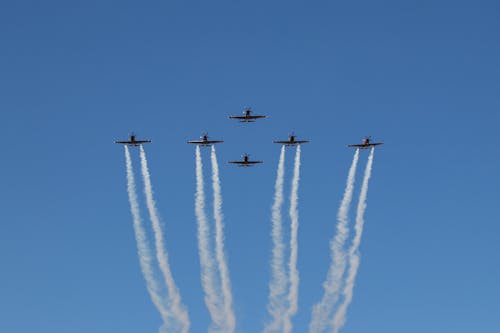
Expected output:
(365, 146)
(242, 163)
(290, 143)
(204, 143)
(246, 119)
(134, 143)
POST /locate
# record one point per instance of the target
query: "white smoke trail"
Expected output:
(293, 293)
(213, 299)
(278, 284)
(340, 316)
(145, 258)
(323, 309)
(219, 248)
(174, 298)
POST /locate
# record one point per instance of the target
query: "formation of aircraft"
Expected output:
(291, 141)
(366, 144)
(133, 142)
(247, 117)
(245, 161)
(204, 142)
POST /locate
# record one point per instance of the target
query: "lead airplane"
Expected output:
(133, 142)
(247, 117)
(245, 162)
(204, 142)
(366, 144)
(291, 141)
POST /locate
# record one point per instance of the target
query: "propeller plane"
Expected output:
(133, 142)
(365, 144)
(245, 161)
(291, 141)
(247, 117)
(204, 142)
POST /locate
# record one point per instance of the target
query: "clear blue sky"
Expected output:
(423, 76)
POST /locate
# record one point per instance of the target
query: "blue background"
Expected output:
(422, 76)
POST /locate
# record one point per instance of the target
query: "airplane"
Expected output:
(133, 142)
(366, 144)
(245, 162)
(291, 141)
(204, 142)
(247, 117)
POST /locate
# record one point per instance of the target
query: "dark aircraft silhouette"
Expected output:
(133, 142)
(366, 144)
(245, 162)
(247, 117)
(291, 141)
(204, 142)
